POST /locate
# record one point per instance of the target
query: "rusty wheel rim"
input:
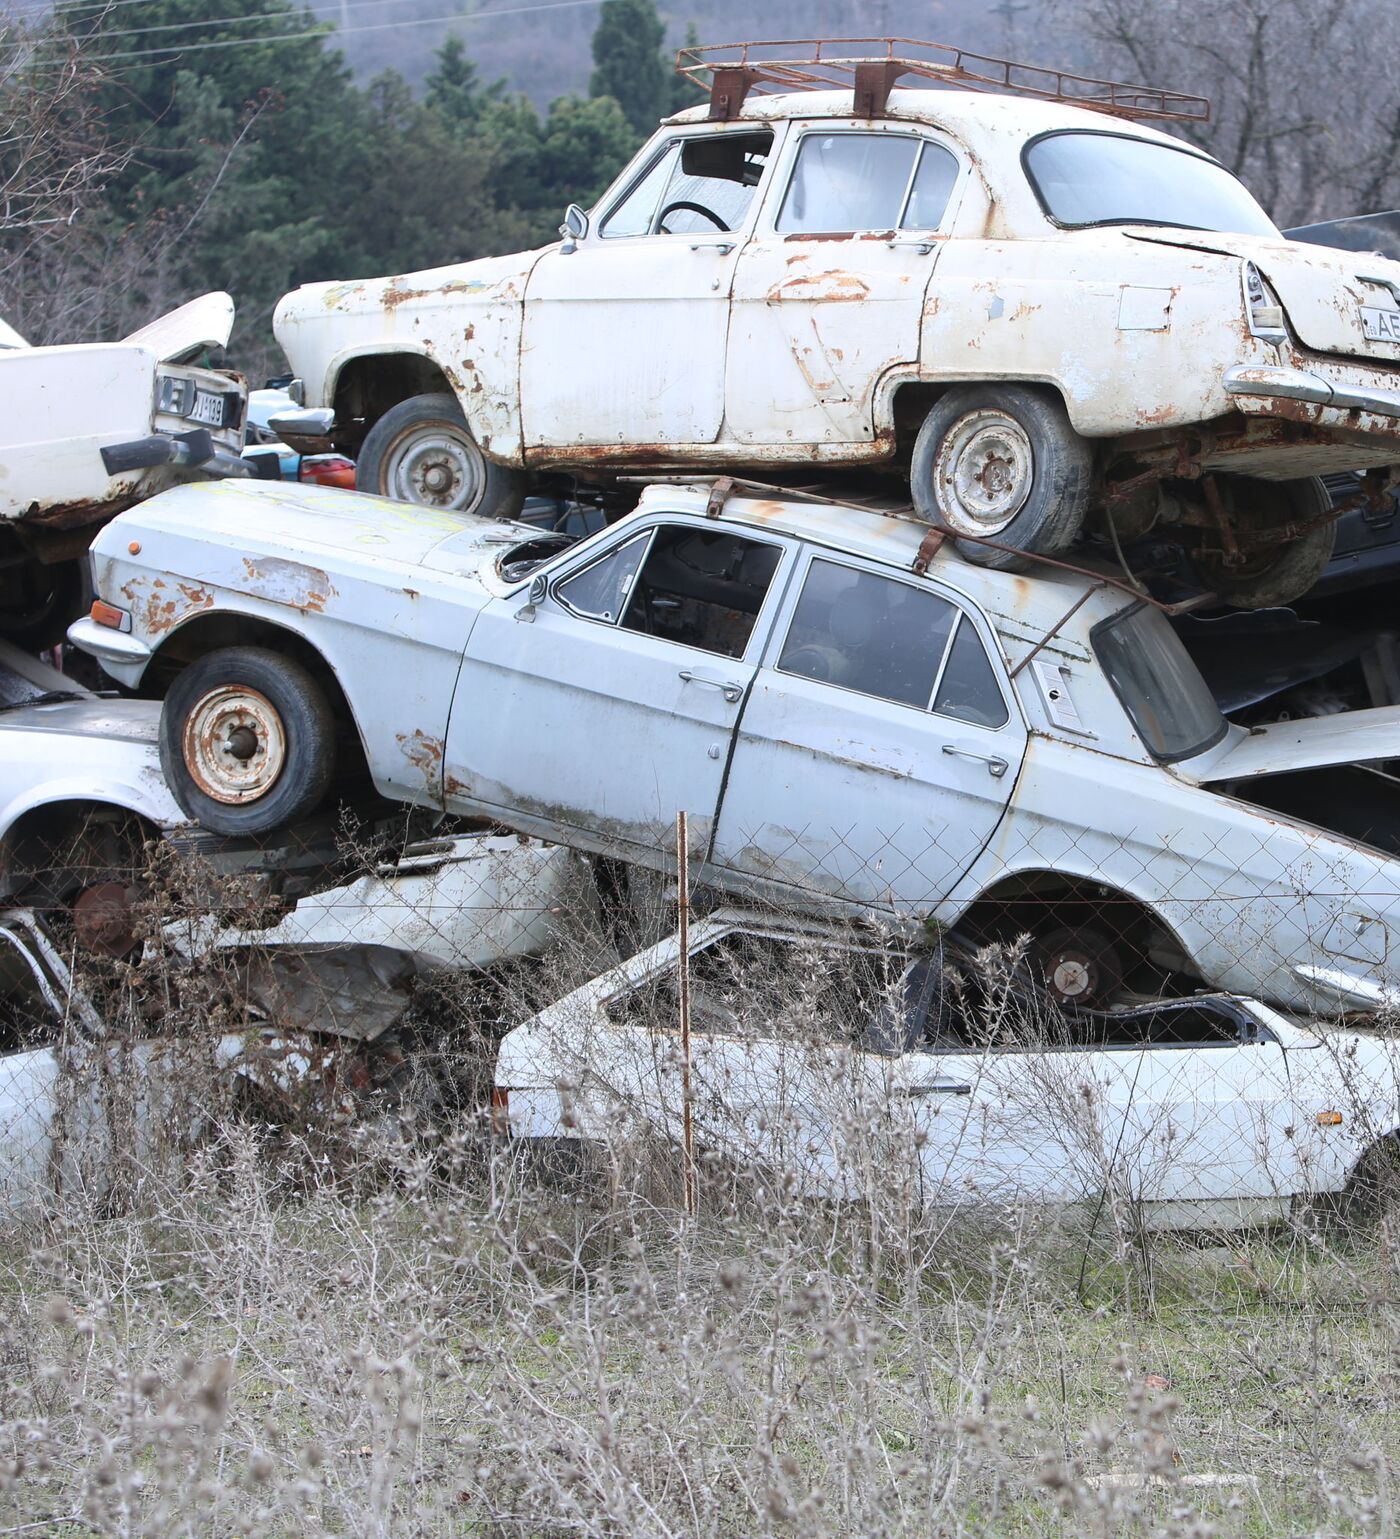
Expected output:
(234, 745)
(435, 465)
(983, 473)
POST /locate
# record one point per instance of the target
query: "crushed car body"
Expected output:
(1050, 321)
(90, 428)
(827, 1055)
(851, 719)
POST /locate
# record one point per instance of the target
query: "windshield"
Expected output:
(1085, 178)
(1161, 688)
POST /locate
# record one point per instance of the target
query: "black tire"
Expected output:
(40, 602)
(1281, 576)
(242, 698)
(1039, 468)
(426, 438)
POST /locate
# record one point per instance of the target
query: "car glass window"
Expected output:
(933, 186)
(634, 214)
(27, 1020)
(703, 185)
(1088, 178)
(771, 986)
(702, 588)
(968, 689)
(873, 634)
(600, 590)
(1160, 687)
(848, 182)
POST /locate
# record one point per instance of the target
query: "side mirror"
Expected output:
(574, 228)
(535, 597)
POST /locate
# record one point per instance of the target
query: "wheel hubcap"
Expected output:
(435, 465)
(983, 473)
(234, 745)
(1073, 977)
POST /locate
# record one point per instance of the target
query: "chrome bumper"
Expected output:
(1300, 385)
(122, 655)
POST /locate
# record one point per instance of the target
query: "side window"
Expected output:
(600, 590)
(698, 186)
(872, 634)
(847, 182)
(702, 588)
(968, 689)
(27, 1020)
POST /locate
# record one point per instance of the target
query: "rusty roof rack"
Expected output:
(730, 72)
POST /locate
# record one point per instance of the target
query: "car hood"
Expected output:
(1314, 742)
(300, 521)
(134, 721)
(488, 279)
(181, 334)
(1322, 290)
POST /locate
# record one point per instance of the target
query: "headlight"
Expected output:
(1262, 307)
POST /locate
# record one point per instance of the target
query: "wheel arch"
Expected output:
(32, 829)
(906, 400)
(365, 385)
(209, 632)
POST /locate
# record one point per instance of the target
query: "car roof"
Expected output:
(970, 114)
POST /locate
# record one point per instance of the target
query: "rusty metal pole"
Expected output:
(683, 994)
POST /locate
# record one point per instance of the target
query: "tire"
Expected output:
(40, 603)
(1039, 473)
(422, 451)
(1281, 577)
(247, 698)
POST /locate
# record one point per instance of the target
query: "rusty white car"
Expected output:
(1050, 320)
(850, 1065)
(850, 719)
(90, 428)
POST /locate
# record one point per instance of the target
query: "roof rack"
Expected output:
(731, 72)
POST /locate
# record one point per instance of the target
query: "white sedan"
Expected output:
(850, 1065)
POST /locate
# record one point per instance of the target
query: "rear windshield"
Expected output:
(1086, 178)
(1162, 690)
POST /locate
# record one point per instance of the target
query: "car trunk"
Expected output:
(1330, 306)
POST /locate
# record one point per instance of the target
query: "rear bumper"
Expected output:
(122, 655)
(195, 449)
(1278, 381)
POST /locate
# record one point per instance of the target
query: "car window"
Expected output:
(702, 588)
(763, 986)
(1161, 689)
(697, 186)
(600, 590)
(847, 182)
(887, 638)
(27, 1019)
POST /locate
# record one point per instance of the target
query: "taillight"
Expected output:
(500, 1112)
(1263, 307)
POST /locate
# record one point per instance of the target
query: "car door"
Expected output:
(879, 745)
(607, 706)
(624, 333)
(829, 292)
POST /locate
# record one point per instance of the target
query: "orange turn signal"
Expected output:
(1329, 1119)
(109, 615)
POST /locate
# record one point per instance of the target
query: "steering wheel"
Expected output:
(694, 208)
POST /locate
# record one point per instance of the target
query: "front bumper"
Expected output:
(1277, 380)
(121, 655)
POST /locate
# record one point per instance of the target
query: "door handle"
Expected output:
(730, 688)
(923, 247)
(939, 1087)
(996, 767)
(724, 247)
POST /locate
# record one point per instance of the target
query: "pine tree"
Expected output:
(454, 89)
(627, 51)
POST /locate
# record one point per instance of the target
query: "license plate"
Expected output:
(1379, 325)
(209, 407)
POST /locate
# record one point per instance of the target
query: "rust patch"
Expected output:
(453, 787)
(395, 294)
(288, 582)
(164, 610)
(423, 752)
(834, 287)
(469, 332)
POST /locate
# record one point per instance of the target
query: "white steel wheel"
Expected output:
(234, 744)
(983, 473)
(422, 451)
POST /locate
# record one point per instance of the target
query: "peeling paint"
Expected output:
(288, 582)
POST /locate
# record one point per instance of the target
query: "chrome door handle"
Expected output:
(923, 247)
(724, 247)
(996, 766)
(939, 1087)
(729, 687)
